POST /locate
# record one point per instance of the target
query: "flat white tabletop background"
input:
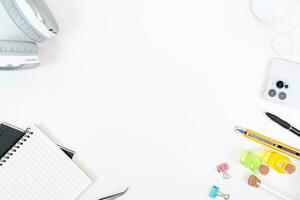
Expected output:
(147, 92)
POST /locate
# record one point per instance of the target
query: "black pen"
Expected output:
(283, 123)
(115, 196)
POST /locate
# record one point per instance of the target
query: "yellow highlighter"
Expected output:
(268, 142)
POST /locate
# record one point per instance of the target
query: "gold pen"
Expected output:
(269, 142)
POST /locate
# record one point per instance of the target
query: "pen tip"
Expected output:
(240, 130)
(269, 114)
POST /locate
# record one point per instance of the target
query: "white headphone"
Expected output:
(35, 21)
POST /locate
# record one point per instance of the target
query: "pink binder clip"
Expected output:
(223, 168)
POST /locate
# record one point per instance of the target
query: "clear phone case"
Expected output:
(282, 83)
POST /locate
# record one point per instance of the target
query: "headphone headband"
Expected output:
(32, 17)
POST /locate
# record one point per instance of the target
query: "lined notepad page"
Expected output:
(39, 170)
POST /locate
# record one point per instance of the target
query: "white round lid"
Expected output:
(270, 11)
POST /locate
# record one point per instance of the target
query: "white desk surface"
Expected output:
(148, 92)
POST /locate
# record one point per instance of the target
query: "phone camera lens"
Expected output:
(272, 93)
(282, 96)
(280, 84)
(286, 86)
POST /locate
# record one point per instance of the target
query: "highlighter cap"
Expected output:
(290, 169)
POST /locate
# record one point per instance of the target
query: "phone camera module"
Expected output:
(272, 93)
(282, 96)
(280, 84)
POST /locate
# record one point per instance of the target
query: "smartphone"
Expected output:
(282, 83)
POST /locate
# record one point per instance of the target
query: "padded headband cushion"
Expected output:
(18, 48)
(16, 14)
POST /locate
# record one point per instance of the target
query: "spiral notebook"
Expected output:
(32, 167)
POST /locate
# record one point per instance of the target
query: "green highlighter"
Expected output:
(254, 163)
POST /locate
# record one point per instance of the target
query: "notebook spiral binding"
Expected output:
(17, 146)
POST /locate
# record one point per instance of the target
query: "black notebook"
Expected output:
(8, 138)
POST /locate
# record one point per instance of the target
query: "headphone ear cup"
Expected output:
(18, 54)
(18, 47)
(25, 26)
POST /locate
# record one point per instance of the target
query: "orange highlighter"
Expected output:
(269, 142)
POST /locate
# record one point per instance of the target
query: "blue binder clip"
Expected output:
(215, 192)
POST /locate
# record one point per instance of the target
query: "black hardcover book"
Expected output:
(9, 136)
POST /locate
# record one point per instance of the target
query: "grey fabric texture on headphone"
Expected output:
(18, 48)
(24, 25)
